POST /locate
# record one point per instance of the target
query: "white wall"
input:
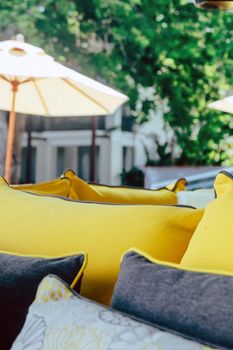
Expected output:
(110, 157)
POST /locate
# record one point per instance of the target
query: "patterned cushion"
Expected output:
(19, 278)
(60, 319)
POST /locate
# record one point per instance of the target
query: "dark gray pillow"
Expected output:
(196, 305)
(19, 279)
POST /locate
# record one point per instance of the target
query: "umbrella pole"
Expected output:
(11, 134)
(29, 150)
(93, 150)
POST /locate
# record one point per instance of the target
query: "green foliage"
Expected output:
(184, 53)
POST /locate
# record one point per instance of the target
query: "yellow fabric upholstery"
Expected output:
(177, 186)
(122, 195)
(56, 187)
(54, 226)
(212, 244)
(223, 183)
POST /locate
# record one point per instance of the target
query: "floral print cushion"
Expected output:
(59, 319)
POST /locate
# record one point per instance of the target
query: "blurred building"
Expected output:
(59, 144)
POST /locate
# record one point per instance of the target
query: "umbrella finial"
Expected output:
(14, 85)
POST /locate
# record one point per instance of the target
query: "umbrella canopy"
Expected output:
(224, 105)
(32, 82)
(215, 4)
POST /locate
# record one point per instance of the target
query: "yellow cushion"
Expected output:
(122, 195)
(177, 186)
(223, 183)
(54, 226)
(56, 187)
(212, 244)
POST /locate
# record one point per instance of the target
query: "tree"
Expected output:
(183, 53)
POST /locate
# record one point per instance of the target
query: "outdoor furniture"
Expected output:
(150, 240)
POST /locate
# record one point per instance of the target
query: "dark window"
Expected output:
(60, 160)
(127, 158)
(84, 158)
(24, 161)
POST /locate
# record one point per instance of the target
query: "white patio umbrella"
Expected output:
(32, 82)
(224, 105)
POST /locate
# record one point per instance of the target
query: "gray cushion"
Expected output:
(19, 279)
(193, 304)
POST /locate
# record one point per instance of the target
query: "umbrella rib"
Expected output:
(40, 96)
(4, 78)
(85, 94)
(20, 82)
